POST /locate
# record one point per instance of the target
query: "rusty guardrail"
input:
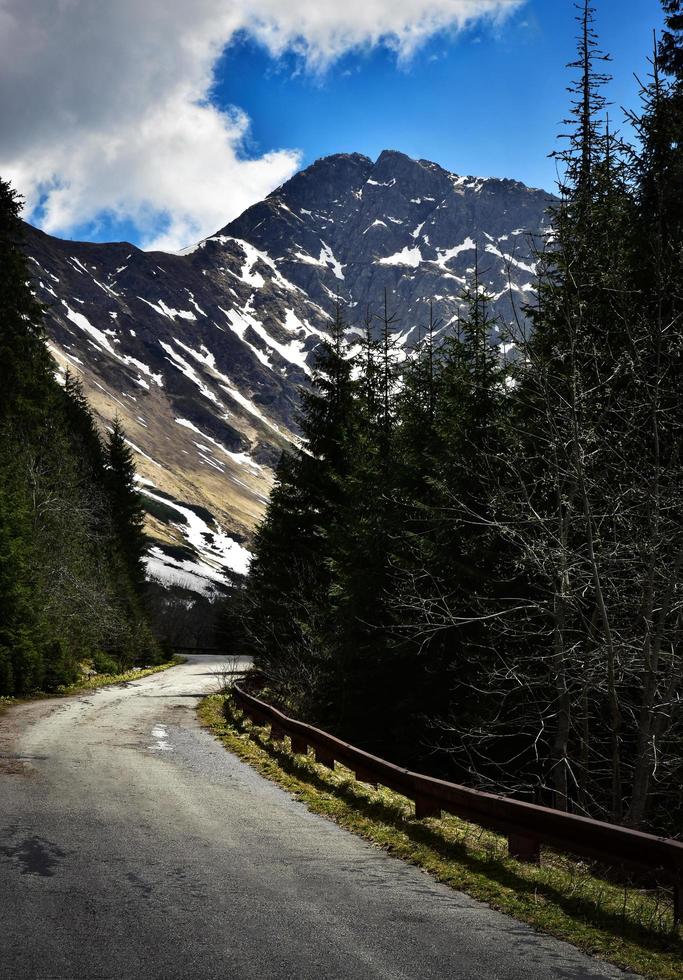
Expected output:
(526, 825)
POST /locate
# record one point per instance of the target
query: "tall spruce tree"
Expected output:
(126, 508)
(25, 364)
(286, 603)
(659, 126)
(416, 414)
(361, 545)
(449, 572)
(21, 638)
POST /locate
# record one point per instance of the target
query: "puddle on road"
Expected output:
(34, 855)
(160, 733)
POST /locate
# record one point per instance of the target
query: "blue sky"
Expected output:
(488, 102)
(160, 122)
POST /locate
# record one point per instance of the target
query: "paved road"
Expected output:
(133, 846)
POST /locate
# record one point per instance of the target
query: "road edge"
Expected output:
(91, 684)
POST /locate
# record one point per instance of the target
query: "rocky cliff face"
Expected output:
(201, 354)
(347, 226)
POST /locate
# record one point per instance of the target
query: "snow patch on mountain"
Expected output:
(407, 256)
(444, 256)
(100, 339)
(512, 260)
(242, 459)
(182, 365)
(195, 576)
(164, 310)
(216, 549)
(325, 259)
(377, 223)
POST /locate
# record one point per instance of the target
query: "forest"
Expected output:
(473, 563)
(72, 578)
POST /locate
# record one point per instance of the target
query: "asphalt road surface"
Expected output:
(132, 845)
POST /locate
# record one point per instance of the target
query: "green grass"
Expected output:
(564, 897)
(106, 680)
(85, 684)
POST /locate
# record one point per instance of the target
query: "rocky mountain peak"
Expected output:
(325, 180)
(201, 354)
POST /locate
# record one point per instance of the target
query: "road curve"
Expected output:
(132, 845)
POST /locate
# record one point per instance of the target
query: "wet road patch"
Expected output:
(34, 855)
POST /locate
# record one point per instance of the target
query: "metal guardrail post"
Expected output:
(299, 745)
(365, 776)
(277, 733)
(523, 848)
(324, 758)
(425, 807)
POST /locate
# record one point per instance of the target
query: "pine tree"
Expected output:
(361, 546)
(127, 512)
(325, 419)
(540, 515)
(25, 364)
(416, 414)
(20, 634)
(671, 46)
(286, 603)
(450, 576)
(660, 126)
(82, 426)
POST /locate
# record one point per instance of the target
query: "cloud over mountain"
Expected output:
(106, 106)
(323, 32)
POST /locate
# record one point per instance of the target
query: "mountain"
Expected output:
(201, 353)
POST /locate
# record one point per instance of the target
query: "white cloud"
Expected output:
(323, 31)
(106, 109)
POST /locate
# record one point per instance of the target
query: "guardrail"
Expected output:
(526, 825)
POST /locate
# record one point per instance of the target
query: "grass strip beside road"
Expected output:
(86, 684)
(629, 927)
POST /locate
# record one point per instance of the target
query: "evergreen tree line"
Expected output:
(474, 564)
(71, 521)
